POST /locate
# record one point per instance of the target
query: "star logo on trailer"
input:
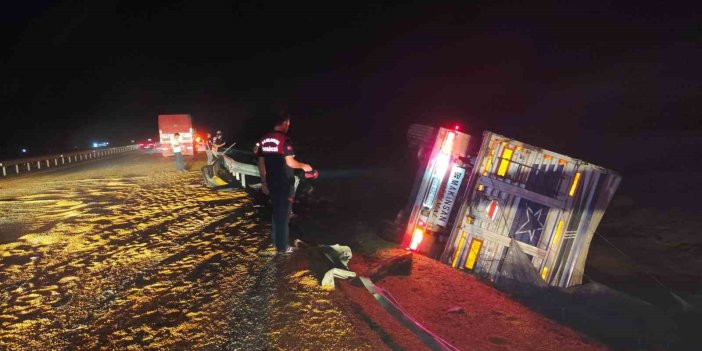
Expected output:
(533, 226)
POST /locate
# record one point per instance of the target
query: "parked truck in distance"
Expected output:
(182, 124)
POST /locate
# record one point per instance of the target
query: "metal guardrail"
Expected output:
(27, 165)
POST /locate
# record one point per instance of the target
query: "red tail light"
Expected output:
(417, 237)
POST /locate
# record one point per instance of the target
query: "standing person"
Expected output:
(276, 161)
(217, 144)
(208, 148)
(177, 146)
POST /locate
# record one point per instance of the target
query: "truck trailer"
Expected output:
(509, 193)
(178, 123)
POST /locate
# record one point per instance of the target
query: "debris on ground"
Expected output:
(328, 262)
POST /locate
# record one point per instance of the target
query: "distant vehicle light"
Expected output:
(147, 144)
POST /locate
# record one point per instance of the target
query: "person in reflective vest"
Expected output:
(276, 162)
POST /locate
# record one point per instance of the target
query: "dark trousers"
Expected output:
(282, 203)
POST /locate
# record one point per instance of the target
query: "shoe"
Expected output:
(289, 250)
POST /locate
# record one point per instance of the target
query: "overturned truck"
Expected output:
(468, 209)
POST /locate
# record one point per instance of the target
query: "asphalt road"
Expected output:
(125, 253)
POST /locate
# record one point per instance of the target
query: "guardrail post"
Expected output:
(38, 162)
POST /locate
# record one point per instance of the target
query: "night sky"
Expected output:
(566, 76)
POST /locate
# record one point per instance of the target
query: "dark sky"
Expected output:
(555, 75)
